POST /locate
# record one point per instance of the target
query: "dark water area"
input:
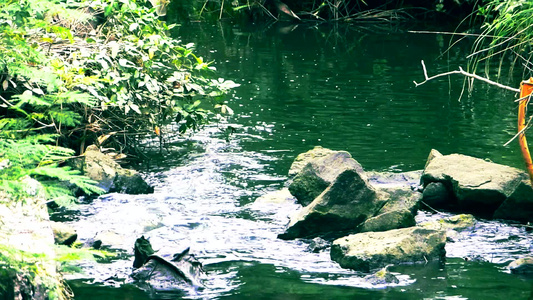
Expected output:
(345, 88)
(352, 88)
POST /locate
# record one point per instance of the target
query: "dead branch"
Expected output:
(464, 73)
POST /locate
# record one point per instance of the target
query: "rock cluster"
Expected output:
(371, 216)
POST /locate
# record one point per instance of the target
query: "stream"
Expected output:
(344, 88)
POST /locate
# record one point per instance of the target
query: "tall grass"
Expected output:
(507, 37)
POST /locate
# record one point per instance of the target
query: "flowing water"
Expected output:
(344, 88)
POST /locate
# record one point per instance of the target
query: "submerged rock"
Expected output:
(383, 276)
(277, 197)
(110, 175)
(318, 244)
(478, 186)
(371, 250)
(319, 173)
(457, 222)
(107, 239)
(344, 205)
(522, 265)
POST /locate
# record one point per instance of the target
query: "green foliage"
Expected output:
(507, 33)
(144, 79)
(32, 157)
(27, 266)
(66, 79)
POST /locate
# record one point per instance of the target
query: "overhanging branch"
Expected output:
(464, 73)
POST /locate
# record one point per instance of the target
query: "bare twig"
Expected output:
(520, 132)
(464, 73)
(453, 33)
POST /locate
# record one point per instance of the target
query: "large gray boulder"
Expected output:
(319, 172)
(344, 205)
(372, 250)
(111, 177)
(477, 186)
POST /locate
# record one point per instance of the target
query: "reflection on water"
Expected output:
(352, 89)
(346, 89)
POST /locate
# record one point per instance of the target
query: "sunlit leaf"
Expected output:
(133, 26)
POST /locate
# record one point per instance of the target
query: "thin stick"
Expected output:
(464, 73)
(520, 132)
(453, 33)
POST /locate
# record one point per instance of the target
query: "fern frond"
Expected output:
(65, 117)
(28, 98)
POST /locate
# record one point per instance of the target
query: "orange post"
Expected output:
(526, 87)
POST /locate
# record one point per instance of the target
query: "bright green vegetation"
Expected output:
(26, 267)
(507, 34)
(74, 73)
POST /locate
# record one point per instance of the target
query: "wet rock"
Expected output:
(166, 272)
(318, 244)
(400, 198)
(522, 265)
(319, 173)
(64, 234)
(142, 250)
(108, 239)
(383, 276)
(432, 154)
(110, 175)
(457, 223)
(276, 197)
(437, 195)
(303, 158)
(479, 186)
(519, 205)
(395, 219)
(401, 206)
(370, 250)
(348, 202)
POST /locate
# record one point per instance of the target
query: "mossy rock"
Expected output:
(372, 250)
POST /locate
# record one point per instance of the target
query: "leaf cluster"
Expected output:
(72, 72)
(34, 157)
(143, 78)
(507, 34)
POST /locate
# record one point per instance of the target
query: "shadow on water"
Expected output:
(349, 89)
